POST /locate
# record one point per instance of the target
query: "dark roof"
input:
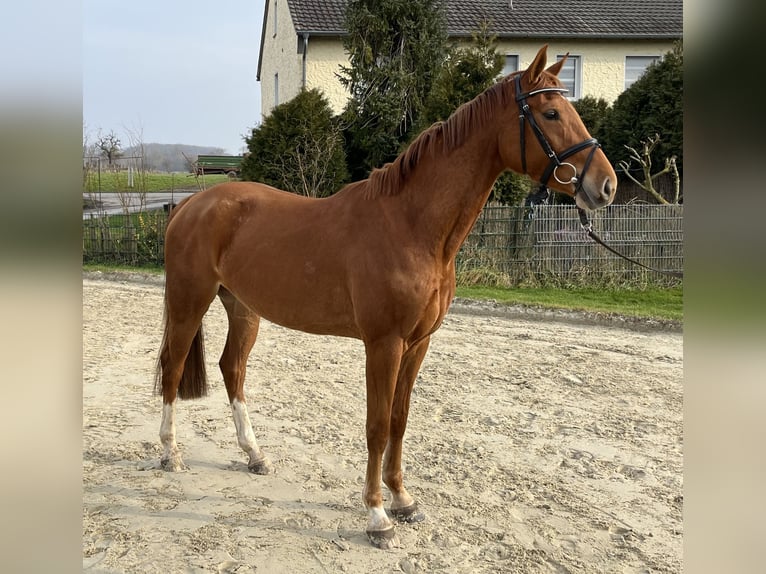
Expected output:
(318, 16)
(615, 19)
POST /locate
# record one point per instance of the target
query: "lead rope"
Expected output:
(588, 227)
(541, 196)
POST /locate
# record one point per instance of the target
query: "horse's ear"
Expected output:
(537, 66)
(555, 68)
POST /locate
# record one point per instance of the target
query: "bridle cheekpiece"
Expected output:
(556, 160)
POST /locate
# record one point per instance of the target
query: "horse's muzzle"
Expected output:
(596, 194)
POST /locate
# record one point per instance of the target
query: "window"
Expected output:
(276, 90)
(275, 18)
(635, 66)
(571, 76)
(511, 64)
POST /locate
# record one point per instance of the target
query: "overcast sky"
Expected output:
(174, 71)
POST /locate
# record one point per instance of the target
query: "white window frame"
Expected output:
(276, 21)
(513, 67)
(573, 65)
(276, 89)
(630, 71)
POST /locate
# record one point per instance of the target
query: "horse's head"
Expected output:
(556, 148)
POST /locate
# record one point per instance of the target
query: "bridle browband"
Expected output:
(556, 160)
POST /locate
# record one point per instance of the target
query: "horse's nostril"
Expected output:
(607, 189)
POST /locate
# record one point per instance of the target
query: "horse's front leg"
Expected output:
(383, 360)
(403, 506)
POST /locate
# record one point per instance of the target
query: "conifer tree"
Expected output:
(298, 148)
(395, 49)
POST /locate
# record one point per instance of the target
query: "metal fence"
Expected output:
(508, 246)
(547, 246)
(130, 239)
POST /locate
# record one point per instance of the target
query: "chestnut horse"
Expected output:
(375, 261)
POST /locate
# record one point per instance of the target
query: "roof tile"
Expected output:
(526, 18)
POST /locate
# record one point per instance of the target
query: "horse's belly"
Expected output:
(300, 305)
(309, 320)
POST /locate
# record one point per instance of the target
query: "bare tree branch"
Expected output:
(644, 160)
(109, 145)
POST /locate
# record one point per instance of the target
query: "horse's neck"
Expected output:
(450, 190)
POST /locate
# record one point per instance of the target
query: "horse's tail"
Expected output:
(193, 384)
(194, 378)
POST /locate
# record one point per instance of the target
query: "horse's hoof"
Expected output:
(262, 466)
(408, 514)
(174, 464)
(383, 539)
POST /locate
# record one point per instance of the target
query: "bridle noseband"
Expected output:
(525, 115)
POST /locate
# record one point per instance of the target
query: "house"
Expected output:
(610, 42)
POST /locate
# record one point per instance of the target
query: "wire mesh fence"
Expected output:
(511, 246)
(508, 246)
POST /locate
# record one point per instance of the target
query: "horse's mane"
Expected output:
(389, 179)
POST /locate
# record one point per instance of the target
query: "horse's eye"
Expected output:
(551, 114)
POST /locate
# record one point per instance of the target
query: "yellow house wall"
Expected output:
(602, 63)
(280, 56)
(324, 59)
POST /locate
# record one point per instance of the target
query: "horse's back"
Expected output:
(223, 198)
(215, 215)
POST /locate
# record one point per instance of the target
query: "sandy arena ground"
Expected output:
(535, 444)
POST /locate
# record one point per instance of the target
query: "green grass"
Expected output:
(650, 303)
(113, 182)
(117, 268)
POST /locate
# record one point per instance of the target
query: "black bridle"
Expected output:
(556, 160)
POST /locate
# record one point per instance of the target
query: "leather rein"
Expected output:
(556, 162)
(588, 227)
(540, 197)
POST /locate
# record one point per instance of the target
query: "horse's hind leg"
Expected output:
(243, 330)
(181, 367)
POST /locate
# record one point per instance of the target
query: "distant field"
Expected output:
(150, 182)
